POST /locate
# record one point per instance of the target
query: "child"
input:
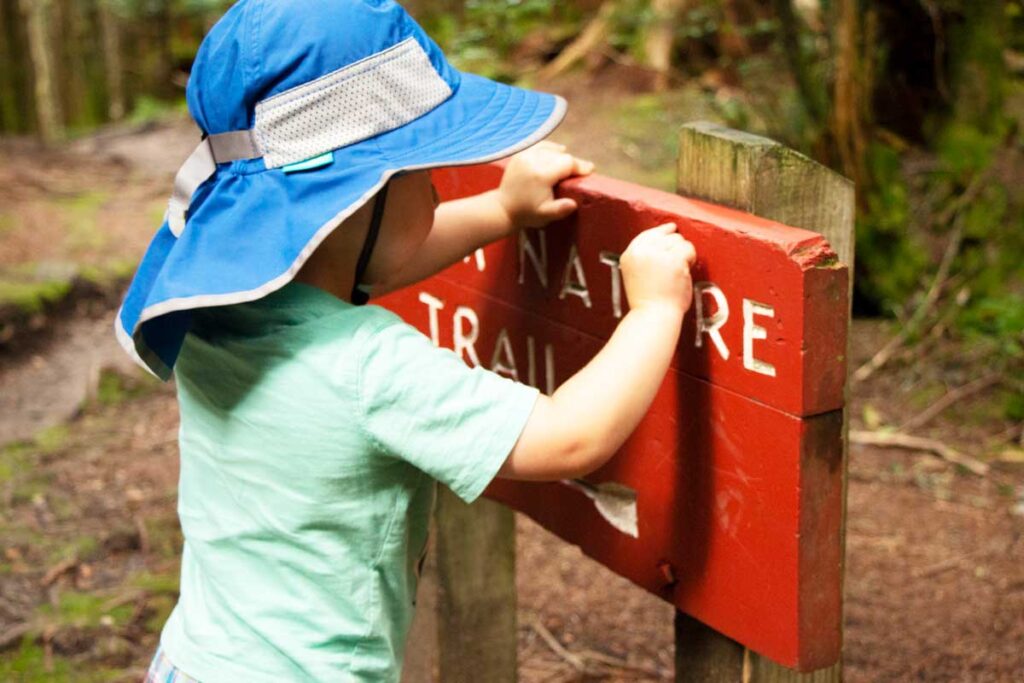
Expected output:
(313, 429)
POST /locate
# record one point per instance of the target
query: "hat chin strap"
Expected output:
(361, 292)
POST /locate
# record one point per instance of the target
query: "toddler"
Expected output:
(314, 427)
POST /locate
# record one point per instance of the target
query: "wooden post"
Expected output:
(465, 629)
(762, 177)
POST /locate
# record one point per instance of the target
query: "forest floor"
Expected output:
(90, 543)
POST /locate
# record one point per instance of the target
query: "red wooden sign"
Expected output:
(727, 499)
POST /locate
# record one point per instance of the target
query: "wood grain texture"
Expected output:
(476, 596)
(763, 177)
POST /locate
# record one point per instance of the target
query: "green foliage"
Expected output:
(894, 264)
(891, 261)
(84, 610)
(29, 664)
(629, 22)
(965, 150)
(84, 548)
(642, 122)
(149, 109)
(999, 317)
(15, 459)
(31, 297)
(52, 439)
(115, 388)
(483, 38)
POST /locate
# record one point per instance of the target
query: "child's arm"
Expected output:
(584, 423)
(524, 199)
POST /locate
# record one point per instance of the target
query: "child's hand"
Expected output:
(527, 193)
(656, 269)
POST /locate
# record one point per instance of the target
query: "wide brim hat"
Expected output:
(308, 108)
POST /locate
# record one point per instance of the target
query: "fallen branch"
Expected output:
(556, 646)
(893, 345)
(917, 443)
(130, 596)
(12, 636)
(948, 216)
(619, 663)
(943, 566)
(590, 39)
(58, 570)
(948, 399)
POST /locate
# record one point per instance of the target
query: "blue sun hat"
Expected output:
(308, 108)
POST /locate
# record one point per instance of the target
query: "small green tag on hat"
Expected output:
(310, 164)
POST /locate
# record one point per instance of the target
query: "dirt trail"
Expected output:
(46, 383)
(49, 386)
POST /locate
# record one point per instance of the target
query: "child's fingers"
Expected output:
(555, 167)
(549, 144)
(556, 209)
(690, 252)
(582, 166)
(663, 229)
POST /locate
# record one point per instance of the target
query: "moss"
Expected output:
(646, 132)
(29, 664)
(84, 610)
(81, 219)
(157, 584)
(32, 297)
(115, 387)
(14, 461)
(52, 439)
(162, 607)
(108, 274)
(926, 396)
(165, 537)
(84, 548)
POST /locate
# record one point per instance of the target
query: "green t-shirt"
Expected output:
(312, 433)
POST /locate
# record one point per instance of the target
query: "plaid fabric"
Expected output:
(161, 670)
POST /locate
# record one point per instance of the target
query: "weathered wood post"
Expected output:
(465, 628)
(764, 178)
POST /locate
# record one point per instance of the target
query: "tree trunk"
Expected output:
(731, 42)
(850, 92)
(47, 107)
(810, 95)
(164, 21)
(977, 70)
(660, 37)
(111, 29)
(9, 115)
(590, 39)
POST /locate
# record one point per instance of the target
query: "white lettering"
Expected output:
(540, 263)
(610, 258)
(752, 332)
(481, 259)
(503, 360)
(549, 365)
(465, 342)
(577, 286)
(435, 305)
(712, 324)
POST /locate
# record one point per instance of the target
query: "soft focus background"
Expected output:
(920, 101)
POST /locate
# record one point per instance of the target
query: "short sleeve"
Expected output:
(422, 404)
